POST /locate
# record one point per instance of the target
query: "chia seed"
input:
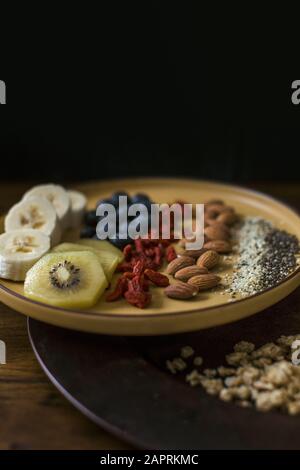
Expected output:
(266, 256)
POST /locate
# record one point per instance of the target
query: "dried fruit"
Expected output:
(170, 254)
(209, 259)
(220, 246)
(185, 274)
(204, 281)
(215, 223)
(138, 298)
(138, 267)
(127, 252)
(119, 290)
(215, 207)
(215, 232)
(181, 291)
(158, 279)
(179, 263)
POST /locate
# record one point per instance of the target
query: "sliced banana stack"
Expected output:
(36, 213)
(78, 206)
(20, 250)
(58, 196)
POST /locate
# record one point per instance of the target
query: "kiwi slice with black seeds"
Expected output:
(69, 279)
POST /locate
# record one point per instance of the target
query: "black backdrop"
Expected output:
(150, 89)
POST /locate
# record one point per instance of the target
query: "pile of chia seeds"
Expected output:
(266, 256)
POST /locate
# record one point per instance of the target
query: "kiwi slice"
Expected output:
(102, 245)
(108, 260)
(70, 280)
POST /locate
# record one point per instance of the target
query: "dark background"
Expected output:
(150, 89)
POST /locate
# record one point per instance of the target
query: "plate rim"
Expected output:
(166, 314)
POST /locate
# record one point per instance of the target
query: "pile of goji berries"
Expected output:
(140, 268)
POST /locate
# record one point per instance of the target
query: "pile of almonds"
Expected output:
(191, 267)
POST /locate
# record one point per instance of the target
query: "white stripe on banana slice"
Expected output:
(78, 205)
(58, 196)
(37, 213)
(20, 250)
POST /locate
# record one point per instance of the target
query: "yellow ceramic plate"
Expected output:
(165, 315)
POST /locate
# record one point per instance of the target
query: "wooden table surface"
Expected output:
(33, 413)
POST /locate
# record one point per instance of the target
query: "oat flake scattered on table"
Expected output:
(264, 378)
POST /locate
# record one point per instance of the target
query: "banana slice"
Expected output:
(78, 205)
(37, 213)
(58, 196)
(20, 250)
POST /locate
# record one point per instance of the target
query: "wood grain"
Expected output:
(33, 413)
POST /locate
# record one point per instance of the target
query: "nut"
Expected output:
(184, 241)
(192, 253)
(215, 232)
(179, 263)
(185, 274)
(217, 208)
(216, 223)
(204, 281)
(209, 259)
(181, 291)
(220, 246)
(228, 217)
(210, 215)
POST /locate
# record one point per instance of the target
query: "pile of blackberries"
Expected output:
(91, 219)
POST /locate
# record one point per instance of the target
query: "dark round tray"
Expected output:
(122, 384)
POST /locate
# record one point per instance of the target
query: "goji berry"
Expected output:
(127, 251)
(139, 267)
(139, 245)
(158, 279)
(164, 243)
(170, 254)
(123, 267)
(128, 275)
(142, 260)
(136, 283)
(149, 252)
(150, 264)
(157, 255)
(119, 290)
(138, 299)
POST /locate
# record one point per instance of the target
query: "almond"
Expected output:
(183, 241)
(210, 214)
(192, 253)
(215, 207)
(227, 217)
(217, 223)
(209, 259)
(204, 281)
(179, 263)
(181, 291)
(184, 274)
(220, 246)
(214, 232)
